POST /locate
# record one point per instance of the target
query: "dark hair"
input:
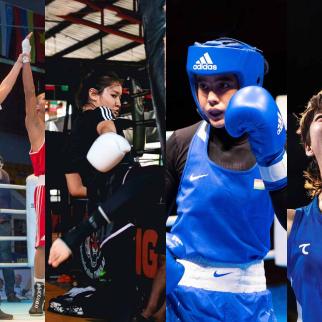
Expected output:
(97, 80)
(1, 159)
(313, 181)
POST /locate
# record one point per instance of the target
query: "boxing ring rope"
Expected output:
(31, 182)
(13, 238)
(279, 254)
(12, 211)
(12, 186)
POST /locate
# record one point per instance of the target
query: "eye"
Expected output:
(224, 85)
(318, 117)
(203, 86)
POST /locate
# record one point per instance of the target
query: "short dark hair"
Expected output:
(97, 80)
(313, 181)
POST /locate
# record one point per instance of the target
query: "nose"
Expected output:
(212, 99)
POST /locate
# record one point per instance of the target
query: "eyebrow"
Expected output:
(116, 91)
(221, 78)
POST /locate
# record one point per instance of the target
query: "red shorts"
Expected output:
(39, 200)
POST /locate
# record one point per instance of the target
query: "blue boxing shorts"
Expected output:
(221, 294)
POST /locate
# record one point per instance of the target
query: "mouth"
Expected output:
(216, 114)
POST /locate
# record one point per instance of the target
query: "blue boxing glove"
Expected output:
(174, 269)
(252, 110)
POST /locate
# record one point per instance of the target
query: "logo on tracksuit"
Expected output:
(194, 178)
(304, 246)
(219, 275)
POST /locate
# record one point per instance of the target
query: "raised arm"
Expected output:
(8, 83)
(34, 124)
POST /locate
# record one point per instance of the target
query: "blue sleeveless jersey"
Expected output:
(304, 263)
(223, 215)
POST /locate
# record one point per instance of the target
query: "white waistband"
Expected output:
(41, 180)
(246, 279)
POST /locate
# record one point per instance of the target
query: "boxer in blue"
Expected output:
(305, 224)
(228, 174)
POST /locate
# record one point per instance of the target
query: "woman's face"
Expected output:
(315, 149)
(214, 94)
(110, 97)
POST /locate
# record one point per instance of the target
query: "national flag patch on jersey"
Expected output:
(259, 184)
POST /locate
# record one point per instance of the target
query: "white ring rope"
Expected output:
(13, 265)
(12, 186)
(31, 183)
(13, 211)
(14, 238)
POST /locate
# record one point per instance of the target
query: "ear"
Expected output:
(308, 151)
(92, 94)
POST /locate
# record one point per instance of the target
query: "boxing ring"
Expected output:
(20, 310)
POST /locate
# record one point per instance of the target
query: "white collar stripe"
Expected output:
(109, 112)
(103, 112)
(106, 113)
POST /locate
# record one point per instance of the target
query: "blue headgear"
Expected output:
(225, 56)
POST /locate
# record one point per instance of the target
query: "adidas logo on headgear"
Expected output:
(204, 63)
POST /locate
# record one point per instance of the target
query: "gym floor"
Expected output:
(54, 291)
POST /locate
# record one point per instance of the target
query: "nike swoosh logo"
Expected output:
(193, 178)
(219, 275)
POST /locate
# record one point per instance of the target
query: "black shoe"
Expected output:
(13, 298)
(37, 307)
(5, 316)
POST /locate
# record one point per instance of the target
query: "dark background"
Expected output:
(250, 21)
(304, 66)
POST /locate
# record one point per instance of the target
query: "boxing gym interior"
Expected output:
(81, 38)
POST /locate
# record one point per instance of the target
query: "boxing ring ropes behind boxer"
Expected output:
(20, 310)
